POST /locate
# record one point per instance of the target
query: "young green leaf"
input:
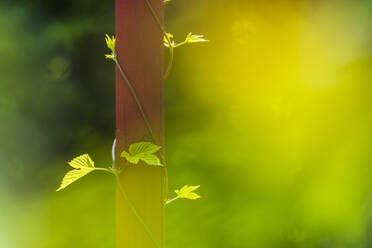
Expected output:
(142, 151)
(110, 56)
(190, 38)
(170, 39)
(193, 38)
(110, 42)
(187, 192)
(167, 1)
(83, 165)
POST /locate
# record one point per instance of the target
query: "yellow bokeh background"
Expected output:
(272, 118)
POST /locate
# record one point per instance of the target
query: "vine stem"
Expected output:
(179, 44)
(104, 169)
(144, 117)
(169, 67)
(136, 99)
(147, 123)
(134, 210)
(170, 62)
(171, 200)
(171, 49)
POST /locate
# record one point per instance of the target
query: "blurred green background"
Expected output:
(272, 118)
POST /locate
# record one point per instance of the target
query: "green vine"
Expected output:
(113, 56)
(141, 151)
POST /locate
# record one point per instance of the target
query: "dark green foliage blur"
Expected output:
(272, 118)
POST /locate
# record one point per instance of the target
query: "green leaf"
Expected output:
(110, 42)
(194, 38)
(190, 38)
(110, 56)
(83, 165)
(187, 192)
(142, 151)
(170, 39)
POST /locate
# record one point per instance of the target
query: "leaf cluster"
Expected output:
(111, 43)
(187, 192)
(190, 38)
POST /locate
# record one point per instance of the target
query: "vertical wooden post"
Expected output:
(140, 53)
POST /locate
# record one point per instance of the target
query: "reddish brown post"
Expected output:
(140, 53)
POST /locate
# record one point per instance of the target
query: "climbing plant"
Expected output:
(144, 151)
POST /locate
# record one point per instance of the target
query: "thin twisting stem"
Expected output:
(136, 99)
(113, 154)
(171, 200)
(134, 210)
(169, 67)
(147, 123)
(157, 19)
(144, 117)
(104, 169)
(171, 52)
(170, 62)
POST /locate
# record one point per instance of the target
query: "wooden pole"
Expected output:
(139, 47)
